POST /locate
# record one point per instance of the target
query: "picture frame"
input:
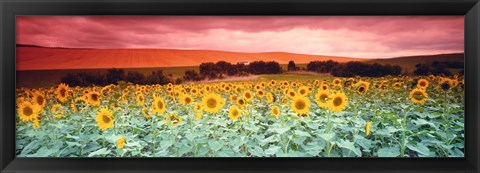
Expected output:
(11, 8)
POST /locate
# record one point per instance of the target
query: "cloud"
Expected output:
(354, 36)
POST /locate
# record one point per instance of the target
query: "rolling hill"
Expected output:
(40, 58)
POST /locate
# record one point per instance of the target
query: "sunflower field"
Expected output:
(329, 117)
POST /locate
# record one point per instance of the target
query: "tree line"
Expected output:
(113, 76)
(223, 69)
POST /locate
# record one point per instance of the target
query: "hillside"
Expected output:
(409, 62)
(39, 58)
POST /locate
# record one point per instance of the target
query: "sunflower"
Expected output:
(55, 108)
(445, 84)
(140, 98)
(198, 116)
(422, 83)
(324, 87)
(321, 98)
(158, 105)
(248, 95)
(93, 98)
(197, 107)
(212, 103)
(337, 82)
(59, 115)
(303, 91)
(145, 113)
(120, 142)
(300, 105)
(104, 119)
(367, 128)
(418, 96)
(275, 110)
(362, 87)
(291, 93)
(338, 102)
(397, 85)
(260, 93)
(28, 111)
(39, 99)
(62, 92)
(284, 101)
(234, 112)
(241, 102)
(173, 119)
(194, 91)
(186, 99)
(270, 98)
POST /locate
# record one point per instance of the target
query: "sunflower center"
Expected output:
(241, 102)
(106, 119)
(63, 92)
(337, 101)
(302, 91)
(324, 87)
(292, 94)
(423, 84)
(40, 100)
(159, 105)
(211, 103)
(247, 95)
(188, 100)
(27, 111)
(418, 95)
(275, 111)
(94, 97)
(323, 97)
(235, 113)
(361, 89)
(300, 104)
(445, 86)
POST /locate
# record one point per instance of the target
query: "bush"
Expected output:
(438, 69)
(322, 66)
(291, 66)
(115, 75)
(136, 77)
(192, 75)
(83, 79)
(356, 68)
(157, 77)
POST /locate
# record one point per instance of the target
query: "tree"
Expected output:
(115, 75)
(291, 66)
(192, 75)
(421, 70)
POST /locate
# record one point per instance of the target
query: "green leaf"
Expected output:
(421, 149)
(302, 133)
(272, 150)
(389, 152)
(215, 145)
(350, 146)
(327, 136)
(256, 151)
(100, 152)
(281, 130)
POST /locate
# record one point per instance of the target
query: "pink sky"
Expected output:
(351, 36)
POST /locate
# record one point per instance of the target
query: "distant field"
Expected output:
(48, 78)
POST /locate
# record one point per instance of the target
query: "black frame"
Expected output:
(11, 8)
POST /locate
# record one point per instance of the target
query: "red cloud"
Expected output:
(356, 36)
